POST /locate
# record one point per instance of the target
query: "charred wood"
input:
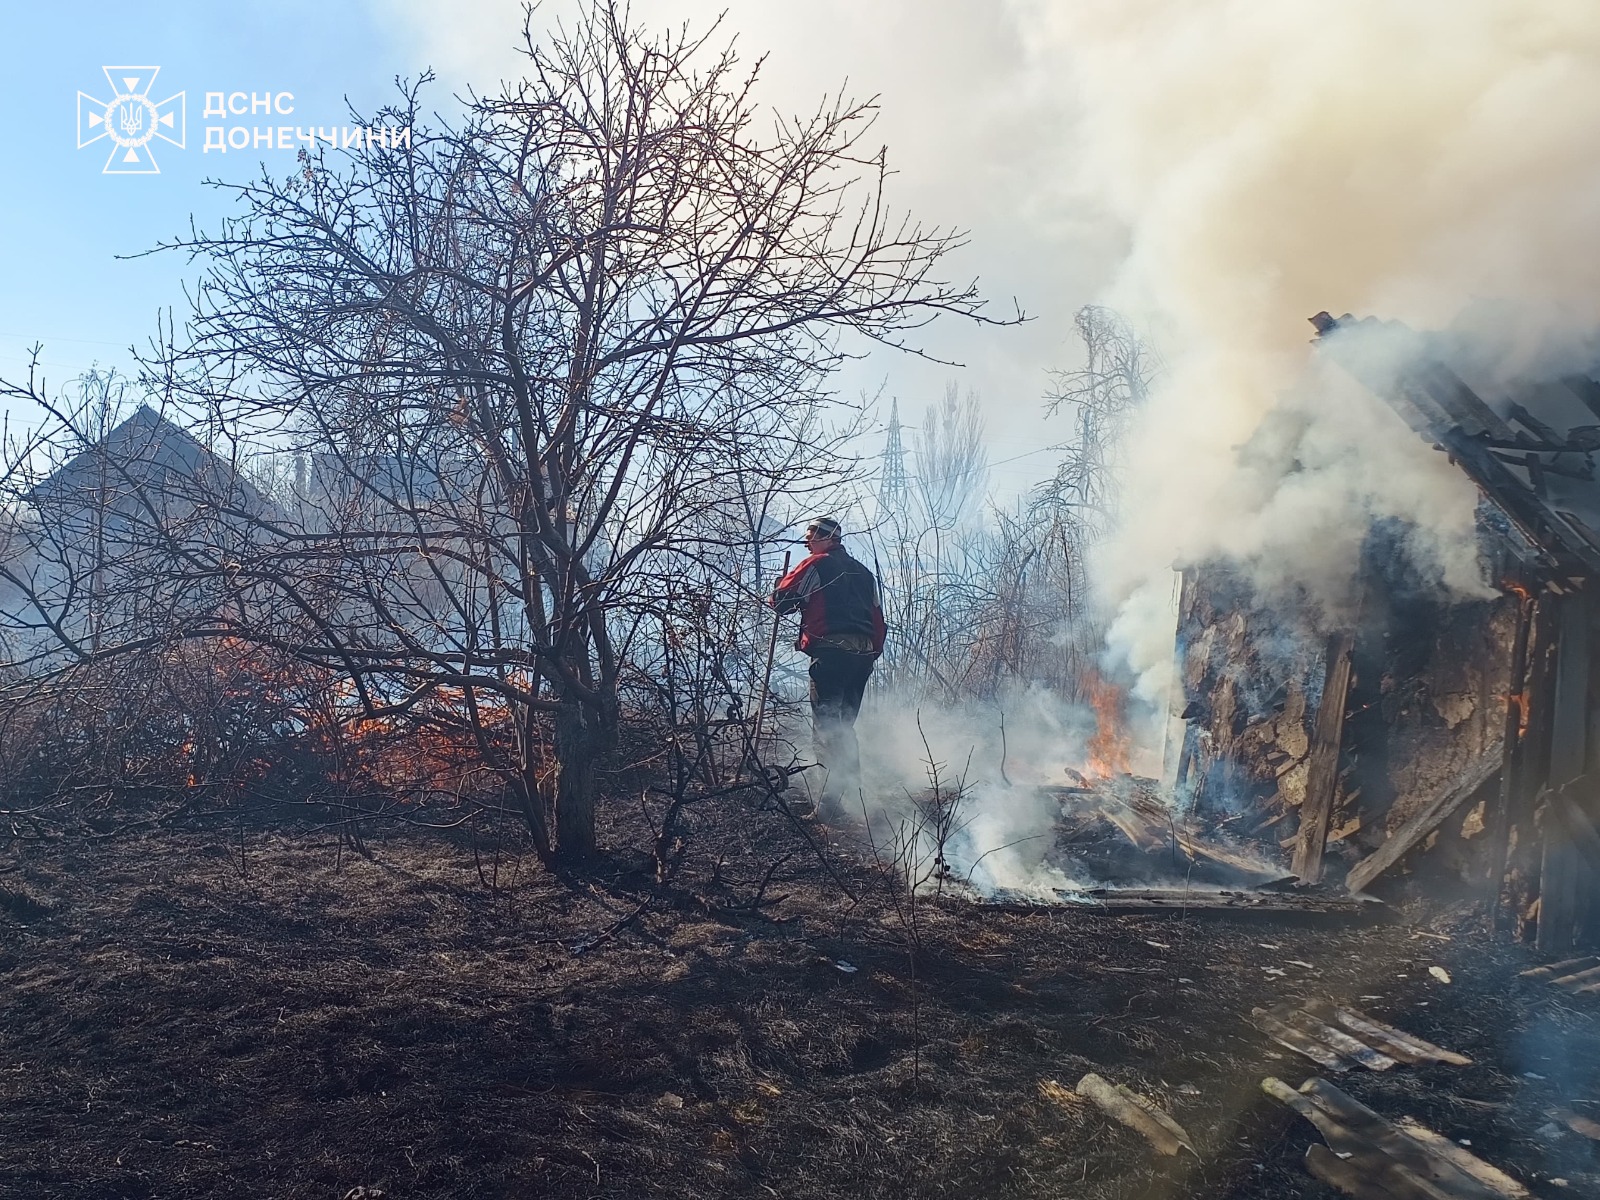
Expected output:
(1323, 771)
(1432, 814)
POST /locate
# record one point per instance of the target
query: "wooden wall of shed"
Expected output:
(1430, 702)
(1251, 682)
(1427, 702)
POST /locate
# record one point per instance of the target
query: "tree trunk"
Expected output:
(584, 735)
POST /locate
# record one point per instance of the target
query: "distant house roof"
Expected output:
(146, 454)
(1537, 475)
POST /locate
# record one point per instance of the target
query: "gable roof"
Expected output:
(149, 455)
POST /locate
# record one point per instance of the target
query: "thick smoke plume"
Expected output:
(1275, 160)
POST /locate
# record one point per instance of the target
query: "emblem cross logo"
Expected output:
(131, 120)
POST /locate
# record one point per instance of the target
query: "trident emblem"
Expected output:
(131, 120)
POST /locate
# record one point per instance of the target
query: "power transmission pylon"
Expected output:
(892, 479)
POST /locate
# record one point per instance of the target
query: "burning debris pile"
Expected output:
(1122, 833)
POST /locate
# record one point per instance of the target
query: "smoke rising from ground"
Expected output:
(1272, 161)
(1006, 822)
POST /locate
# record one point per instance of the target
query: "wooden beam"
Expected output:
(1574, 822)
(1511, 745)
(1559, 902)
(1322, 771)
(1428, 818)
(1519, 869)
(1137, 1113)
(1570, 718)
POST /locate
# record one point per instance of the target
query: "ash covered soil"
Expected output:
(180, 1017)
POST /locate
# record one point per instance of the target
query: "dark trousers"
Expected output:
(838, 678)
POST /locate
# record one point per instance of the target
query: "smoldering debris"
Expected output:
(1116, 845)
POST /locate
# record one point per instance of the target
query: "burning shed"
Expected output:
(1463, 735)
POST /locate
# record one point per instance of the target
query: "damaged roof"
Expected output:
(1534, 469)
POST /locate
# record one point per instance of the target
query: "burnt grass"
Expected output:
(248, 1009)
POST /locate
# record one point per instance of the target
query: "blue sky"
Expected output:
(66, 228)
(962, 111)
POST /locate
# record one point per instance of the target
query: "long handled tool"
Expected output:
(766, 677)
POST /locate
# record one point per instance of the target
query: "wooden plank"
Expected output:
(1397, 1042)
(1423, 822)
(1291, 1038)
(1328, 1125)
(1578, 1124)
(1374, 1033)
(1137, 1113)
(1244, 863)
(1374, 1171)
(1174, 900)
(1575, 823)
(1226, 900)
(1322, 770)
(1565, 967)
(1451, 393)
(1516, 714)
(1379, 1133)
(1517, 873)
(1584, 389)
(1565, 812)
(1558, 873)
(1380, 1176)
(1360, 1180)
(1577, 979)
(1339, 1041)
(1340, 1173)
(1491, 1176)
(1570, 719)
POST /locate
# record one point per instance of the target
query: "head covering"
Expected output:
(825, 527)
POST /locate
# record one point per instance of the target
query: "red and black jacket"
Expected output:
(838, 602)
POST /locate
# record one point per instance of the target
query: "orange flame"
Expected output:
(1109, 746)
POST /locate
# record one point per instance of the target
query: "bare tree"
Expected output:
(976, 598)
(928, 548)
(538, 365)
(1074, 509)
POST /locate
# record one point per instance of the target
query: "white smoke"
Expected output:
(1003, 756)
(1275, 160)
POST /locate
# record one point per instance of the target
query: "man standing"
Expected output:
(842, 630)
